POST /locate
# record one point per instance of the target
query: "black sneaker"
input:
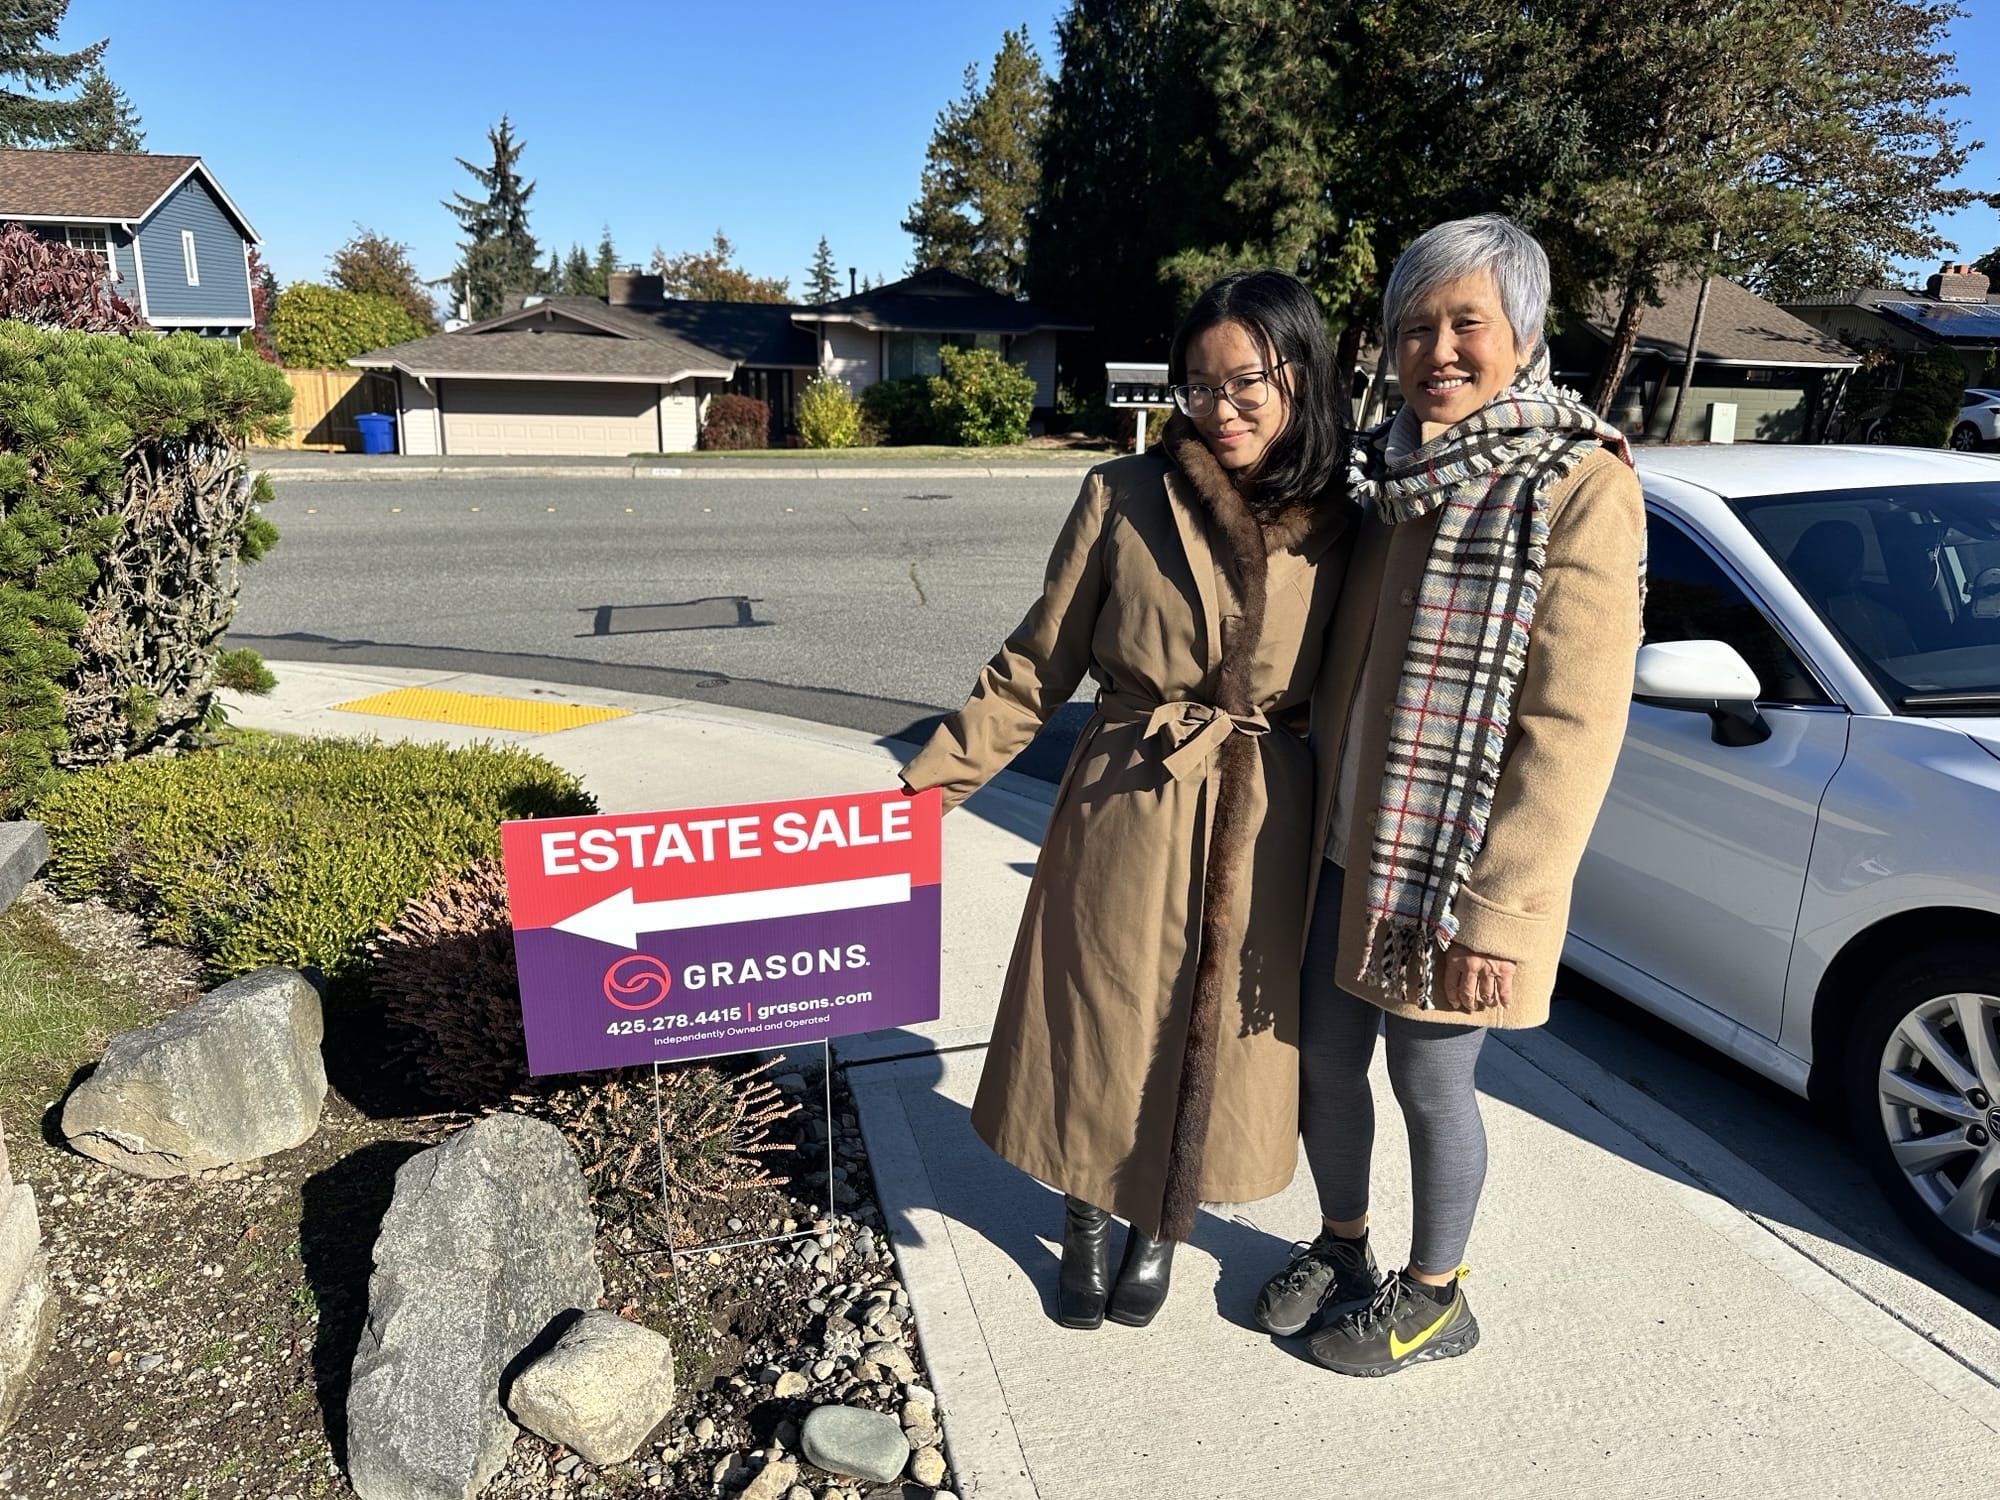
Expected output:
(1402, 1325)
(1329, 1273)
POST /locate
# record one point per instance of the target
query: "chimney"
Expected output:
(850, 281)
(636, 289)
(1958, 284)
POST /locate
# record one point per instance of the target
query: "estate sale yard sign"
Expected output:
(655, 936)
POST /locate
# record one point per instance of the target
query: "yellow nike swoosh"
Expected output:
(1397, 1348)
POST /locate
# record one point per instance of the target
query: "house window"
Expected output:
(92, 238)
(907, 354)
(187, 258)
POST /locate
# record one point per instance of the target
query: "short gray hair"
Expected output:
(1465, 247)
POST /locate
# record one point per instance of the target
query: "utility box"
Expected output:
(1138, 386)
(1722, 421)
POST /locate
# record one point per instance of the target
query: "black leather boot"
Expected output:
(1142, 1279)
(1085, 1279)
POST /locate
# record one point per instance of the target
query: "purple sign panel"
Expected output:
(628, 955)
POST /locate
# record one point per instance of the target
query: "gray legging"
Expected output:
(1430, 1068)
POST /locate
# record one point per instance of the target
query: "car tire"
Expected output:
(1877, 432)
(1922, 1096)
(1965, 438)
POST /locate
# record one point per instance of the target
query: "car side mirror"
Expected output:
(1708, 677)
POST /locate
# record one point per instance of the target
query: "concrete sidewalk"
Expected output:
(1646, 1335)
(292, 466)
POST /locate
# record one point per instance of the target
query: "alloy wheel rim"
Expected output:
(1965, 440)
(1938, 1092)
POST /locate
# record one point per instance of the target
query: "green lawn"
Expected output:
(55, 1014)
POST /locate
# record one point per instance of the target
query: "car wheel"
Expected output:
(1923, 1098)
(1878, 432)
(1965, 438)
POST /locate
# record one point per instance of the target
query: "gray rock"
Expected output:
(704, 1431)
(20, 1239)
(773, 1481)
(891, 1357)
(488, 1238)
(853, 1440)
(26, 1326)
(790, 1384)
(235, 1076)
(24, 849)
(927, 1467)
(600, 1391)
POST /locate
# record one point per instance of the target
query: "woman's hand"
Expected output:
(1474, 982)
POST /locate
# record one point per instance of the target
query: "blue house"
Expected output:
(173, 244)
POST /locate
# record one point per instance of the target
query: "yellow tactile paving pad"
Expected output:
(528, 715)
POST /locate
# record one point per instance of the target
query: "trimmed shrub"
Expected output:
(242, 670)
(828, 414)
(1927, 406)
(901, 411)
(284, 851)
(316, 327)
(126, 512)
(53, 285)
(736, 422)
(981, 400)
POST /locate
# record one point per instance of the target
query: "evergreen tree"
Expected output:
(34, 112)
(712, 275)
(981, 171)
(376, 266)
(1990, 264)
(574, 277)
(1124, 168)
(606, 263)
(498, 254)
(822, 277)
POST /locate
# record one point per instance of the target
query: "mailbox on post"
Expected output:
(1137, 386)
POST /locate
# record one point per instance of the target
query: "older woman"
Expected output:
(1467, 724)
(1144, 1055)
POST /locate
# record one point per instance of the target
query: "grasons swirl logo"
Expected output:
(637, 981)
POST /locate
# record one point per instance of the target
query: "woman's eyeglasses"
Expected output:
(1244, 392)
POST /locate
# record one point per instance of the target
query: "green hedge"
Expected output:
(289, 851)
(981, 399)
(1927, 405)
(124, 504)
(315, 327)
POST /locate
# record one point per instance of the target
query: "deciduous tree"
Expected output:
(712, 275)
(498, 255)
(377, 266)
(322, 327)
(981, 171)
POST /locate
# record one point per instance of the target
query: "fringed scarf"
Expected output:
(1491, 475)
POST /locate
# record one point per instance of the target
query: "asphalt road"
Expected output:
(871, 604)
(867, 603)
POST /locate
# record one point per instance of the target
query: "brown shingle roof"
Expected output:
(86, 184)
(1740, 327)
(577, 355)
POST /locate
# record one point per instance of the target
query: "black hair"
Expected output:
(1304, 461)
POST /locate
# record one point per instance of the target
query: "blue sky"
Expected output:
(774, 120)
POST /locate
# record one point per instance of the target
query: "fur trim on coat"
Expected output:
(1242, 541)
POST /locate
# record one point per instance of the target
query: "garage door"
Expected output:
(549, 416)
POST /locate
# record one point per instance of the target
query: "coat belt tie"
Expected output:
(1194, 731)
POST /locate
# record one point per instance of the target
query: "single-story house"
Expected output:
(1778, 372)
(632, 372)
(173, 243)
(1957, 310)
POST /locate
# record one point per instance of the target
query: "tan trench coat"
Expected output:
(1562, 745)
(1085, 1066)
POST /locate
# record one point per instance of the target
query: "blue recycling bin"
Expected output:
(378, 431)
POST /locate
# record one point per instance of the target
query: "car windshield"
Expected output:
(1908, 576)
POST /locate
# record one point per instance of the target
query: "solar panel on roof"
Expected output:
(1950, 320)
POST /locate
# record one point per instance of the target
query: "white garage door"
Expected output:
(549, 416)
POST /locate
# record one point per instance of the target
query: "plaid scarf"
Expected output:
(1491, 475)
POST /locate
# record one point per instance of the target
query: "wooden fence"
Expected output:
(326, 402)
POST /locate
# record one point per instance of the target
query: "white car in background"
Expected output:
(1978, 424)
(1799, 859)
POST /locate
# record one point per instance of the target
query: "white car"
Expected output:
(1978, 424)
(1799, 860)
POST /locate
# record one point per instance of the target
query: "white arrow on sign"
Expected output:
(619, 920)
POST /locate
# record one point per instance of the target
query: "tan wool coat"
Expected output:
(1562, 745)
(1178, 854)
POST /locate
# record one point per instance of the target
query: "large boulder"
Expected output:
(233, 1077)
(854, 1440)
(24, 849)
(27, 1308)
(600, 1391)
(488, 1239)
